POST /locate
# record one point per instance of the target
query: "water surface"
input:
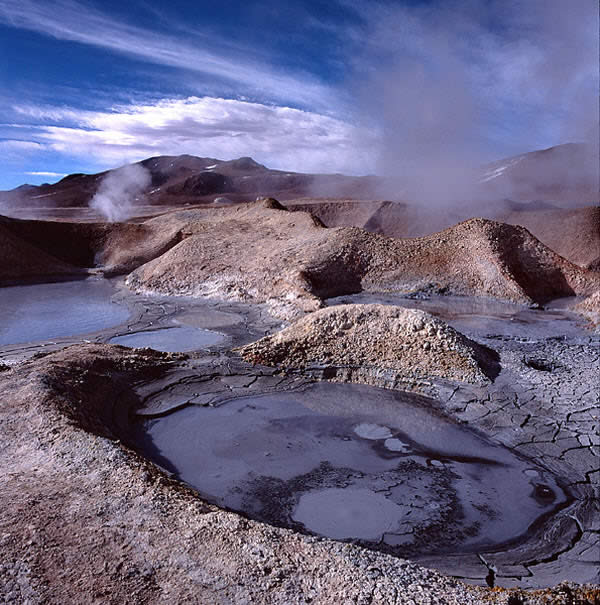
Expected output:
(39, 312)
(171, 340)
(354, 462)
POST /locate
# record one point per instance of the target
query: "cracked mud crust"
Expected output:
(84, 515)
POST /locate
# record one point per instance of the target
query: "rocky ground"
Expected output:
(261, 253)
(572, 233)
(590, 308)
(84, 515)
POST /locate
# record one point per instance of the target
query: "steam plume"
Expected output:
(459, 84)
(119, 191)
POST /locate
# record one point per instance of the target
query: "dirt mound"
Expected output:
(574, 234)
(333, 212)
(261, 253)
(590, 308)
(594, 265)
(21, 260)
(411, 343)
(116, 248)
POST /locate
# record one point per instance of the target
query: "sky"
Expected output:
(365, 87)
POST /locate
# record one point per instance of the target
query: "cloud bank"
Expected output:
(280, 137)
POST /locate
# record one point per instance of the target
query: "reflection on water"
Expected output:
(39, 312)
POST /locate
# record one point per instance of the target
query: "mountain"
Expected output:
(565, 176)
(568, 175)
(185, 179)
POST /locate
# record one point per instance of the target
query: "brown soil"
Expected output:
(63, 247)
(574, 234)
(22, 260)
(411, 343)
(335, 212)
(261, 253)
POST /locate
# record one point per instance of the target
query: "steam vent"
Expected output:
(310, 317)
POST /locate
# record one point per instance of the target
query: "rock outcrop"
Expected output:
(261, 253)
(405, 342)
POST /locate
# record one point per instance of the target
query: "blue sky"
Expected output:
(329, 86)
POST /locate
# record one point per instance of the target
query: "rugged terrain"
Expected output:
(566, 175)
(185, 179)
(117, 530)
(590, 307)
(572, 233)
(261, 253)
(85, 514)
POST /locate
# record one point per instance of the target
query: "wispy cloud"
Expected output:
(205, 54)
(42, 173)
(8, 145)
(281, 137)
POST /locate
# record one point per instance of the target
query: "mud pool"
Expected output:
(354, 462)
(38, 312)
(54, 315)
(171, 340)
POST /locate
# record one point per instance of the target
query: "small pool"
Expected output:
(33, 313)
(171, 340)
(353, 462)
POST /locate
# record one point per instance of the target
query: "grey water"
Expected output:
(171, 340)
(354, 462)
(38, 312)
(484, 317)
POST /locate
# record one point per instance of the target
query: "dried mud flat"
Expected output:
(84, 514)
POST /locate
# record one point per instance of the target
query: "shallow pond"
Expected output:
(354, 462)
(32, 313)
(485, 317)
(171, 340)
